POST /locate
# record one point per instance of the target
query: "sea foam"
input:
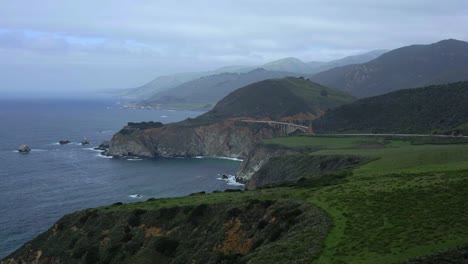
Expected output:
(231, 180)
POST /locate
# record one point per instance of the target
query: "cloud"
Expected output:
(141, 39)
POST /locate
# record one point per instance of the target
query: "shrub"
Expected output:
(166, 246)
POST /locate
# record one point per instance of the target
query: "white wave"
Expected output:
(92, 149)
(228, 158)
(134, 159)
(164, 116)
(105, 157)
(106, 131)
(198, 157)
(135, 196)
(231, 180)
(55, 144)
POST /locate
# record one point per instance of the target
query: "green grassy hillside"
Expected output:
(433, 109)
(407, 202)
(217, 228)
(277, 98)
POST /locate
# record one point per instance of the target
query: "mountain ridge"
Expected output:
(289, 64)
(406, 67)
(436, 109)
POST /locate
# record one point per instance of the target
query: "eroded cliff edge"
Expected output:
(245, 231)
(230, 138)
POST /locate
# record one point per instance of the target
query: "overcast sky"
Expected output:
(62, 47)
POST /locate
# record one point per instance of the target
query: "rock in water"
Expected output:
(64, 142)
(85, 141)
(24, 149)
(104, 145)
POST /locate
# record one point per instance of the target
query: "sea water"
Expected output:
(38, 188)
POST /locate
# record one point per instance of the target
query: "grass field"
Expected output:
(409, 201)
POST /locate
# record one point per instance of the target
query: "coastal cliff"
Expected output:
(230, 138)
(244, 231)
(223, 132)
(258, 157)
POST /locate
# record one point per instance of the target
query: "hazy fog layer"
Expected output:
(77, 47)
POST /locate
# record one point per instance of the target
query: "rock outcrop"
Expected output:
(24, 149)
(292, 167)
(103, 146)
(85, 141)
(64, 142)
(230, 138)
(258, 157)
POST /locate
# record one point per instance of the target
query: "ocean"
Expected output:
(38, 188)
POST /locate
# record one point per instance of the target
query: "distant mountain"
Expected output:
(433, 109)
(279, 98)
(166, 82)
(209, 89)
(293, 65)
(161, 83)
(355, 59)
(316, 64)
(288, 65)
(408, 67)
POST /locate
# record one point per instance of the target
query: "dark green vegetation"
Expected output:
(407, 67)
(405, 200)
(286, 97)
(441, 109)
(145, 125)
(217, 228)
(454, 256)
(210, 89)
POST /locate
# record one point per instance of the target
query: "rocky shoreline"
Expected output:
(230, 139)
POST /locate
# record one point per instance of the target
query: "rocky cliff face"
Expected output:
(293, 167)
(234, 139)
(226, 139)
(258, 157)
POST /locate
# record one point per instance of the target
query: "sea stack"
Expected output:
(85, 141)
(64, 142)
(24, 149)
(104, 145)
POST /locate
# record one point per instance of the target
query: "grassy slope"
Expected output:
(262, 227)
(279, 98)
(409, 200)
(396, 207)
